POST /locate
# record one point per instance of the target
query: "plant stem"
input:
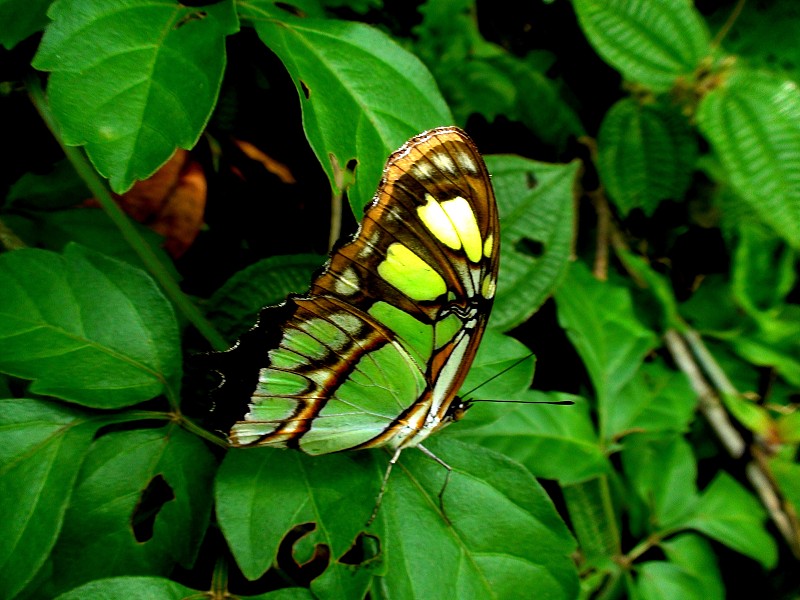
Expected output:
(150, 259)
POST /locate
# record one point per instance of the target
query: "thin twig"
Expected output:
(728, 24)
(687, 352)
(710, 405)
(150, 259)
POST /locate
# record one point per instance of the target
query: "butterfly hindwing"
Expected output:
(376, 351)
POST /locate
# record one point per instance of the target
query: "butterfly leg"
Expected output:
(379, 499)
(431, 455)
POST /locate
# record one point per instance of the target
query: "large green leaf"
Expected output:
(660, 580)
(646, 153)
(504, 538)
(86, 328)
(262, 494)
(695, 555)
(753, 123)
(612, 342)
(142, 504)
(42, 446)
(763, 272)
(656, 399)
(234, 307)
(536, 207)
(131, 588)
(133, 80)
(662, 472)
(148, 588)
(652, 42)
(362, 95)
(732, 515)
(554, 442)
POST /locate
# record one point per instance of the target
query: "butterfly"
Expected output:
(373, 355)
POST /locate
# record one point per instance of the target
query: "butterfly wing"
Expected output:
(377, 350)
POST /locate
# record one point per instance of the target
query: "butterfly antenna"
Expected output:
(496, 375)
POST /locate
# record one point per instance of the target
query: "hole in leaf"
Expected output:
(352, 164)
(311, 568)
(365, 549)
(291, 9)
(157, 493)
(529, 247)
(306, 89)
(530, 180)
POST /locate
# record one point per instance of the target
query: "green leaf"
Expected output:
(611, 342)
(130, 588)
(593, 518)
(788, 428)
(786, 470)
(659, 289)
(262, 493)
(646, 153)
(753, 123)
(234, 307)
(763, 270)
(554, 442)
(658, 580)
(651, 42)
(536, 102)
(775, 343)
(696, 556)
(662, 472)
(362, 113)
(731, 515)
(142, 504)
(750, 414)
(763, 34)
(110, 339)
(60, 188)
(504, 540)
(133, 81)
(91, 227)
(656, 399)
(42, 446)
(480, 77)
(21, 18)
(535, 201)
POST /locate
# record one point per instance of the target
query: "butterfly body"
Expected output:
(374, 354)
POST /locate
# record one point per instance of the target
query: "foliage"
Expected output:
(653, 223)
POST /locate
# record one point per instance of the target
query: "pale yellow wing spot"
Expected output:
(439, 224)
(463, 219)
(410, 274)
(488, 287)
(488, 246)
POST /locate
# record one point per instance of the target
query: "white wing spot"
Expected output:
(465, 162)
(422, 170)
(443, 162)
(347, 282)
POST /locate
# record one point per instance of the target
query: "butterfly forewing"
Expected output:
(375, 353)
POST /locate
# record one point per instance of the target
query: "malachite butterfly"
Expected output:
(376, 351)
